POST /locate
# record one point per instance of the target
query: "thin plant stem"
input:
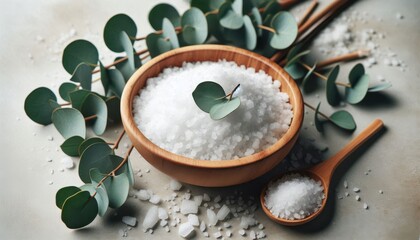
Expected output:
(120, 60)
(215, 11)
(324, 77)
(267, 28)
(308, 12)
(344, 58)
(145, 56)
(118, 140)
(233, 91)
(90, 117)
(286, 4)
(65, 104)
(177, 29)
(320, 113)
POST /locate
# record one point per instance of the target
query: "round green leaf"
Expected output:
(308, 76)
(83, 75)
(79, 51)
(79, 210)
(161, 11)
(296, 71)
(157, 45)
(208, 94)
(356, 73)
(343, 119)
(100, 196)
(63, 194)
(271, 8)
(228, 18)
(71, 146)
(118, 189)
(214, 27)
(128, 48)
(194, 26)
(94, 105)
(379, 87)
(113, 28)
(113, 105)
(318, 123)
(333, 96)
(358, 90)
(40, 104)
(77, 97)
(104, 77)
(69, 122)
(250, 34)
(206, 6)
(297, 57)
(286, 30)
(221, 110)
(170, 33)
(65, 89)
(126, 168)
(95, 156)
(257, 20)
(117, 82)
(87, 142)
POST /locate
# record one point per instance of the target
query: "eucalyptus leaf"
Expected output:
(214, 27)
(333, 96)
(79, 210)
(104, 77)
(223, 109)
(161, 11)
(235, 37)
(77, 52)
(379, 87)
(286, 30)
(118, 189)
(297, 57)
(71, 146)
(87, 142)
(343, 119)
(358, 89)
(170, 33)
(113, 105)
(95, 156)
(83, 75)
(63, 194)
(257, 20)
(307, 77)
(77, 97)
(114, 27)
(271, 8)
(194, 26)
(101, 196)
(207, 94)
(65, 89)
(250, 34)
(228, 17)
(128, 48)
(126, 168)
(117, 82)
(40, 104)
(157, 45)
(95, 106)
(125, 68)
(69, 122)
(318, 123)
(206, 5)
(356, 73)
(296, 71)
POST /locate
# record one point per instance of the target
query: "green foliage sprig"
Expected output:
(262, 26)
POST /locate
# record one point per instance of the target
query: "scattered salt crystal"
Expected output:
(345, 184)
(176, 209)
(365, 206)
(387, 62)
(228, 233)
(193, 219)
(261, 234)
(175, 185)
(206, 234)
(155, 199)
(61, 170)
(50, 183)
(187, 196)
(52, 171)
(167, 229)
(186, 230)
(223, 213)
(217, 235)
(357, 198)
(49, 159)
(217, 199)
(206, 197)
(143, 195)
(150, 231)
(399, 16)
(381, 192)
(162, 214)
(198, 199)
(252, 235)
(163, 223)
(147, 170)
(67, 162)
(50, 138)
(126, 145)
(188, 206)
(247, 221)
(122, 233)
(261, 226)
(356, 190)
(241, 232)
(292, 194)
(212, 218)
(151, 218)
(40, 39)
(203, 226)
(130, 221)
(226, 225)
(347, 194)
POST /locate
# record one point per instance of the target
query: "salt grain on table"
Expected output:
(151, 218)
(67, 162)
(188, 206)
(130, 221)
(186, 230)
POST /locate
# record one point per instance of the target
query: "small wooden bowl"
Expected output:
(202, 172)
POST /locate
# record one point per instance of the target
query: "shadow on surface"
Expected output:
(377, 100)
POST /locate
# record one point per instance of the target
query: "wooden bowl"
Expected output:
(202, 172)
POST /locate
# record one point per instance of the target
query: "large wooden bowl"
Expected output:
(202, 172)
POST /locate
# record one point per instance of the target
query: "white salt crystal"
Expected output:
(203, 226)
(50, 138)
(167, 229)
(217, 205)
(206, 197)
(356, 190)
(67, 162)
(147, 170)
(198, 199)
(217, 235)
(357, 198)
(226, 225)
(186, 230)
(212, 218)
(163, 223)
(217, 199)
(151, 218)
(247, 221)
(176, 209)
(188, 206)
(130, 221)
(261, 226)
(241, 232)
(294, 196)
(252, 235)
(175, 185)
(365, 206)
(206, 234)
(381, 192)
(143, 195)
(347, 194)
(223, 213)
(345, 184)
(261, 234)
(162, 214)
(155, 199)
(49, 159)
(50, 183)
(122, 233)
(193, 219)
(187, 196)
(399, 16)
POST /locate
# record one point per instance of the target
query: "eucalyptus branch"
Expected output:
(267, 28)
(322, 76)
(320, 113)
(177, 30)
(65, 104)
(90, 117)
(233, 91)
(118, 140)
(344, 58)
(121, 60)
(308, 12)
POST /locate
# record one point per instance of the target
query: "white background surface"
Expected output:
(27, 208)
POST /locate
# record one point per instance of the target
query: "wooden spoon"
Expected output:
(323, 172)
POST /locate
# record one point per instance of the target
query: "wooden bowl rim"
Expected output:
(131, 127)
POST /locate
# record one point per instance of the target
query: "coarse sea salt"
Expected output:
(294, 196)
(166, 113)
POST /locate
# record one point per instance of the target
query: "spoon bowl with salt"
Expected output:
(320, 174)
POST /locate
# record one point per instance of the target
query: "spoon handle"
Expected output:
(326, 169)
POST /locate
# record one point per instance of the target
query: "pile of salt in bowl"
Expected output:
(167, 115)
(294, 196)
